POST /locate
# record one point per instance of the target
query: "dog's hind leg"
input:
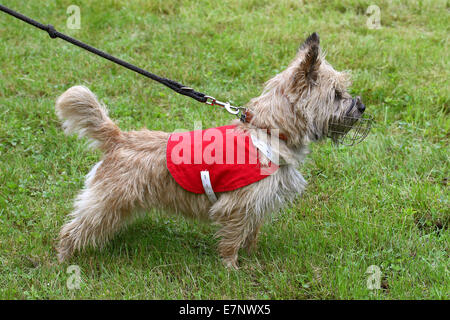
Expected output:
(99, 211)
(95, 220)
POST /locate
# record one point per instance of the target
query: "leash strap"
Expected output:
(177, 87)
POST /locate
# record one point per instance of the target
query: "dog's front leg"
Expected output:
(236, 226)
(250, 244)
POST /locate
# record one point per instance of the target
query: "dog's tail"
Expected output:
(83, 114)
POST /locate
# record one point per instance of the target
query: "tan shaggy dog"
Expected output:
(306, 102)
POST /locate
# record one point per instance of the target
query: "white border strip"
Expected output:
(267, 151)
(206, 181)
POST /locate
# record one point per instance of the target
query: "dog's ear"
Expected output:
(309, 65)
(313, 39)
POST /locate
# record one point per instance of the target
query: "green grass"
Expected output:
(384, 202)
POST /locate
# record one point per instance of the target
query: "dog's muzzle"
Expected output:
(351, 130)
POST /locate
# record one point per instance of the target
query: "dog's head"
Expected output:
(321, 96)
(312, 98)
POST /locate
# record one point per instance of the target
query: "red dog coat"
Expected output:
(228, 156)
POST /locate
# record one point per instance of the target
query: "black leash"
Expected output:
(177, 87)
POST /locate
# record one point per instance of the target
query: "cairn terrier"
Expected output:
(306, 102)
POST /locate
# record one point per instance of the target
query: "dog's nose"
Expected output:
(359, 105)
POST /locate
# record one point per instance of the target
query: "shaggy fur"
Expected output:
(300, 102)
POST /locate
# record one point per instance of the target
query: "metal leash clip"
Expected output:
(231, 109)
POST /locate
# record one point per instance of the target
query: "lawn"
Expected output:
(384, 202)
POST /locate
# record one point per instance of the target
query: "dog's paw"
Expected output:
(231, 263)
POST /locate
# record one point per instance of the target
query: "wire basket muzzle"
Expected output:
(350, 130)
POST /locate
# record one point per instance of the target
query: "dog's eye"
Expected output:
(337, 95)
